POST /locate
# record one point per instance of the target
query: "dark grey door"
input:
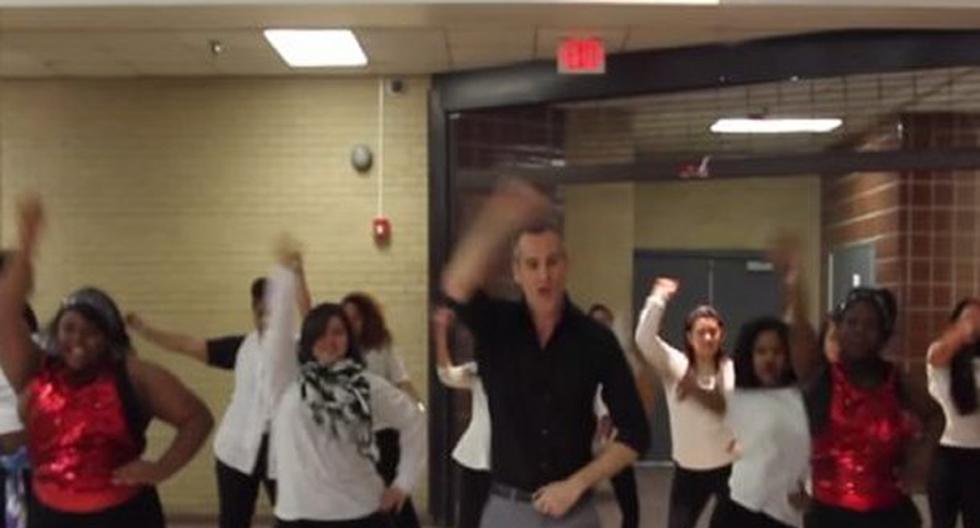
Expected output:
(740, 284)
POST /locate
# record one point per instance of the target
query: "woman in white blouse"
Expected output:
(953, 371)
(772, 438)
(327, 409)
(370, 331)
(472, 451)
(695, 383)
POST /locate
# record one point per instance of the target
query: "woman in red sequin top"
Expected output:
(873, 430)
(86, 402)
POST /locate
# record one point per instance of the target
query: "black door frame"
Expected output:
(804, 56)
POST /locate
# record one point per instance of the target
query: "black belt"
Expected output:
(511, 493)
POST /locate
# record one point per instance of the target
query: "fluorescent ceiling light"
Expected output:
(773, 125)
(317, 48)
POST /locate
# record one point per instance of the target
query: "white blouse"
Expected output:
(700, 437)
(321, 477)
(773, 445)
(387, 363)
(247, 417)
(961, 431)
(473, 448)
(9, 419)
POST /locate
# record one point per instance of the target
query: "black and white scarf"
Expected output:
(339, 397)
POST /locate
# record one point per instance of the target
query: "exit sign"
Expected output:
(582, 56)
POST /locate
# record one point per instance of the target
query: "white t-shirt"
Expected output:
(961, 431)
(773, 445)
(473, 448)
(700, 437)
(387, 363)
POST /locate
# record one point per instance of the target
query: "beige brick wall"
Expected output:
(169, 193)
(599, 223)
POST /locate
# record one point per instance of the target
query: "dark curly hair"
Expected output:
(374, 333)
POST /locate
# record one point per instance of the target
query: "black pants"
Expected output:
(474, 490)
(730, 514)
(238, 492)
(142, 511)
(374, 521)
(954, 487)
(905, 515)
(390, 452)
(690, 491)
(624, 486)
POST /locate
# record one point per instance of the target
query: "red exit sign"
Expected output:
(582, 56)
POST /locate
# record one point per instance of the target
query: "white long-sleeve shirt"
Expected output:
(322, 477)
(473, 448)
(700, 437)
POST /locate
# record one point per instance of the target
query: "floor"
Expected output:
(654, 487)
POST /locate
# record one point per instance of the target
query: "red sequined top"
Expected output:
(857, 454)
(77, 436)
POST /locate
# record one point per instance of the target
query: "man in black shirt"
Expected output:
(241, 441)
(541, 360)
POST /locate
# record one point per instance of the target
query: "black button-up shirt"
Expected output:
(541, 400)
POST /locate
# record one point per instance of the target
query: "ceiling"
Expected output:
(402, 38)
(676, 126)
(679, 123)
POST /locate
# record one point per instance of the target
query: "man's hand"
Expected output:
(557, 498)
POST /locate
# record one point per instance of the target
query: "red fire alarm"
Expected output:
(381, 226)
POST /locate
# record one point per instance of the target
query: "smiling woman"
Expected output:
(89, 401)
(328, 408)
(696, 382)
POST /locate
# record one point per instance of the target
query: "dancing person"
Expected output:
(696, 381)
(541, 360)
(87, 403)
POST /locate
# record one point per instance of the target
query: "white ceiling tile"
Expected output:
(405, 50)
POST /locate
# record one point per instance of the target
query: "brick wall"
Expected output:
(922, 224)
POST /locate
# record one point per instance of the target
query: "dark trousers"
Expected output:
(142, 511)
(905, 515)
(374, 521)
(954, 487)
(474, 490)
(730, 514)
(238, 492)
(390, 453)
(624, 486)
(690, 491)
